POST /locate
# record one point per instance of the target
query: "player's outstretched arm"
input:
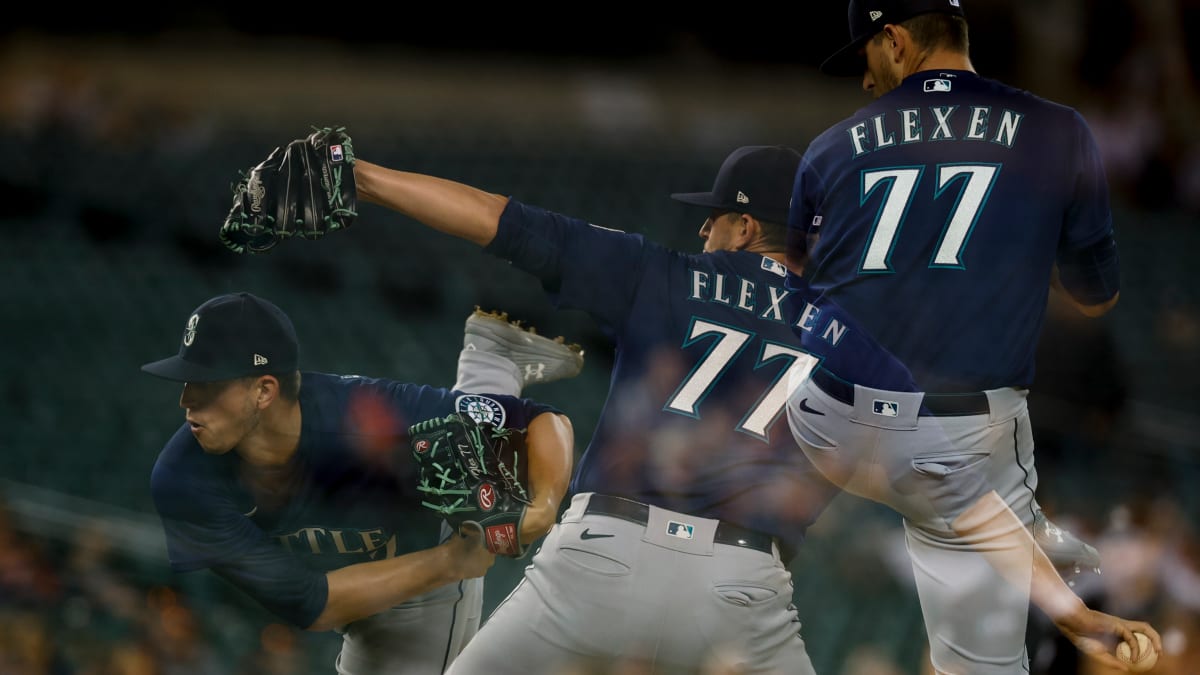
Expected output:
(550, 445)
(361, 590)
(454, 208)
(1011, 549)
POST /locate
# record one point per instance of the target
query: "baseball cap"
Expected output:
(868, 17)
(230, 336)
(754, 179)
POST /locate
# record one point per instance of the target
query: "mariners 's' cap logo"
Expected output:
(189, 333)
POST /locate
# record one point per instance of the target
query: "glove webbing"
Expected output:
(443, 474)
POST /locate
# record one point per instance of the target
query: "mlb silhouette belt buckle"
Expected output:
(637, 512)
(932, 405)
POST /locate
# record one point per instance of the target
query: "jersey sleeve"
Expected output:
(581, 266)
(1089, 216)
(1087, 256)
(804, 223)
(422, 402)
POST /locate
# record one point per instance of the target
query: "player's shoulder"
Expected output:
(1026, 100)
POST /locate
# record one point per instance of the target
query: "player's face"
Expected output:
(718, 231)
(220, 414)
(880, 75)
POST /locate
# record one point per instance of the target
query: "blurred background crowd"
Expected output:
(121, 134)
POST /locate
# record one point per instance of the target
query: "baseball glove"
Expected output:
(469, 473)
(305, 189)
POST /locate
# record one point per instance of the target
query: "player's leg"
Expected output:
(500, 356)
(975, 616)
(434, 626)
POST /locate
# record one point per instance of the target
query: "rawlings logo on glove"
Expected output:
(469, 473)
(305, 189)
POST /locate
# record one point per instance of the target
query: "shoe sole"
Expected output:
(539, 358)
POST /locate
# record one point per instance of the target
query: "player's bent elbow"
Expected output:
(1098, 310)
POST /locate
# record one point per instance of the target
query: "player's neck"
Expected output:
(273, 441)
(941, 60)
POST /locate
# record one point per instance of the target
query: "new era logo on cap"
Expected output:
(260, 360)
(875, 14)
(742, 198)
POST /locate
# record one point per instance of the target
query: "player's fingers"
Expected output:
(471, 529)
(1111, 661)
(1148, 631)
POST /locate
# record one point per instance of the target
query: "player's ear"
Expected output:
(266, 390)
(749, 229)
(897, 40)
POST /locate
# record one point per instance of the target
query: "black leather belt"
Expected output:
(932, 405)
(637, 512)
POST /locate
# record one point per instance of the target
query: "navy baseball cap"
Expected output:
(231, 336)
(755, 179)
(868, 17)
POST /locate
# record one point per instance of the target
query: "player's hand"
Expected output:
(468, 556)
(1097, 634)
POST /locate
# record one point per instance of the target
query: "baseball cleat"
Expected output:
(540, 359)
(1069, 554)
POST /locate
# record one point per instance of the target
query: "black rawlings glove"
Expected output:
(468, 473)
(304, 189)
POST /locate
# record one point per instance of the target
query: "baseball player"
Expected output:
(297, 487)
(691, 495)
(936, 216)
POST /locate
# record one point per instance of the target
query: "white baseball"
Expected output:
(1147, 657)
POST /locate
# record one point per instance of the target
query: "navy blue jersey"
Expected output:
(349, 497)
(938, 212)
(704, 347)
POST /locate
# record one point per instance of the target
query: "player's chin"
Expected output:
(210, 443)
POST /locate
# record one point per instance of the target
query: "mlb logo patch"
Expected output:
(681, 530)
(886, 408)
(335, 153)
(774, 266)
(938, 85)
